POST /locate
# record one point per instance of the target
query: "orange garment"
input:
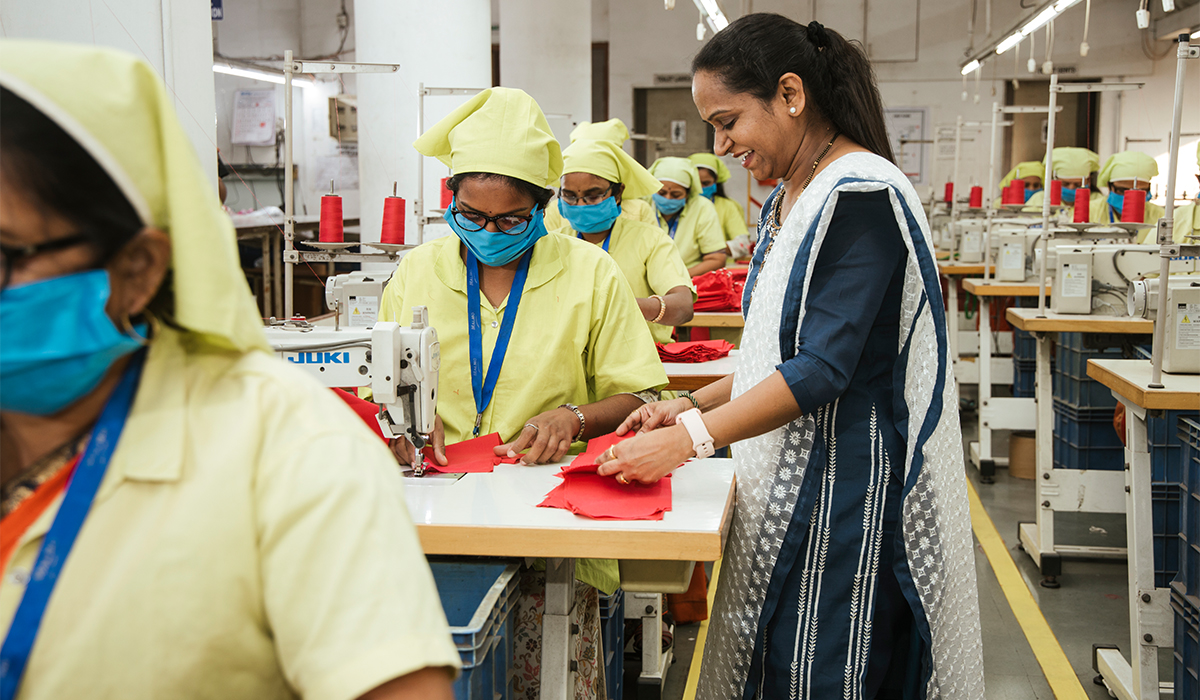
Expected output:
(692, 605)
(14, 525)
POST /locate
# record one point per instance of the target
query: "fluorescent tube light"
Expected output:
(972, 66)
(1040, 21)
(712, 14)
(1010, 42)
(255, 74)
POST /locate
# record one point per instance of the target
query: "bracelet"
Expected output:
(662, 308)
(691, 398)
(582, 420)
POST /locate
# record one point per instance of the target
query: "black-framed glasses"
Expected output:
(588, 200)
(512, 224)
(13, 254)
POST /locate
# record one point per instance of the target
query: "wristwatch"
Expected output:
(702, 442)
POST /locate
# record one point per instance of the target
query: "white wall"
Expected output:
(171, 35)
(263, 30)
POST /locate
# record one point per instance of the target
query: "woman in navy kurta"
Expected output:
(849, 567)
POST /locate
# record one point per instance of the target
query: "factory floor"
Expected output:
(1090, 607)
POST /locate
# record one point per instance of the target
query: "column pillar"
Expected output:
(546, 50)
(438, 44)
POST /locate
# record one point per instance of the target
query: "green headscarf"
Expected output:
(1074, 163)
(500, 130)
(713, 163)
(612, 130)
(607, 160)
(681, 171)
(1029, 168)
(1127, 166)
(115, 106)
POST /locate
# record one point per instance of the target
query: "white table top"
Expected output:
(722, 366)
(497, 515)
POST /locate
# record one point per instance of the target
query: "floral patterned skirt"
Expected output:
(527, 645)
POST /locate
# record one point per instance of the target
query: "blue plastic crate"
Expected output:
(474, 594)
(612, 633)
(1165, 515)
(1024, 345)
(1189, 536)
(1067, 456)
(475, 682)
(1024, 377)
(1187, 643)
(1085, 428)
(1082, 392)
(1166, 448)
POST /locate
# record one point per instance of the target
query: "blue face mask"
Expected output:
(1068, 196)
(709, 191)
(496, 249)
(591, 218)
(1117, 200)
(669, 207)
(1030, 193)
(57, 342)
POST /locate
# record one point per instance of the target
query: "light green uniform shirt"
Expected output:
(249, 540)
(698, 231)
(649, 261)
(731, 216)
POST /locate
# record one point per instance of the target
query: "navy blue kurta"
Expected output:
(834, 596)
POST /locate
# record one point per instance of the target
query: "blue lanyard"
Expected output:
(483, 388)
(57, 544)
(603, 245)
(671, 225)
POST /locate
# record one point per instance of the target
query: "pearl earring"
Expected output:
(792, 110)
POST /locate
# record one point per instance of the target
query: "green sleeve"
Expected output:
(621, 356)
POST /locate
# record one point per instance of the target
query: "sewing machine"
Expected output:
(1097, 277)
(399, 364)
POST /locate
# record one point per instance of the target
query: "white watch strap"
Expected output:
(693, 422)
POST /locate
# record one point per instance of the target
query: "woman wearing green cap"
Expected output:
(713, 175)
(613, 131)
(1131, 170)
(1075, 168)
(1187, 218)
(687, 216)
(541, 339)
(597, 177)
(1031, 171)
(229, 528)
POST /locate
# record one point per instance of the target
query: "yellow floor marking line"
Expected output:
(1059, 674)
(689, 690)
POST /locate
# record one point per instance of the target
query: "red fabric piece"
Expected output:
(467, 457)
(719, 290)
(596, 447)
(604, 498)
(694, 351)
(366, 410)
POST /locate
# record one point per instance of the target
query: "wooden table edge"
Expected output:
(1087, 323)
(692, 382)
(1149, 399)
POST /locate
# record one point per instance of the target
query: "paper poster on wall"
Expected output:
(254, 118)
(907, 133)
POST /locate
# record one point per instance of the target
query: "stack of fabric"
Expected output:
(695, 351)
(584, 492)
(720, 290)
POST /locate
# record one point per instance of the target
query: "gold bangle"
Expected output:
(662, 308)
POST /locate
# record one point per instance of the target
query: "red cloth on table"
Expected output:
(469, 456)
(586, 493)
(694, 351)
(719, 290)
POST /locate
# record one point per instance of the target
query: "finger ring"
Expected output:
(609, 455)
(621, 478)
(531, 425)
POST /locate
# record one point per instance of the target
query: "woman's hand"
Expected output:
(406, 453)
(648, 457)
(654, 415)
(546, 437)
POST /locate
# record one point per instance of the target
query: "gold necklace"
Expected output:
(774, 222)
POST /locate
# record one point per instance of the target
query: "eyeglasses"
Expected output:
(512, 224)
(589, 200)
(11, 255)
